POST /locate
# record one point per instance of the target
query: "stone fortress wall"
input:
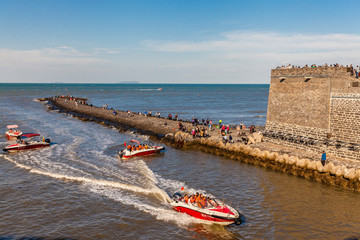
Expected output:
(315, 109)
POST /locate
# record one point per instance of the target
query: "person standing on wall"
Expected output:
(323, 158)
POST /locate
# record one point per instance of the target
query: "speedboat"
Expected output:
(140, 150)
(12, 132)
(28, 141)
(214, 211)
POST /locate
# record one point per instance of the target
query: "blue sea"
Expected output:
(232, 103)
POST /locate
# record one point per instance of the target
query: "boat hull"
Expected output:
(12, 136)
(129, 154)
(20, 147)
(222, 214)
(206, 217)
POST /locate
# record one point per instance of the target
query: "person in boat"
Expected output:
(192, 199)
(198, 200)
(129, 147)
(204, 201)
(186, 198)
(213, 202)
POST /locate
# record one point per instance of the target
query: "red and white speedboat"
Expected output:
(12, 132)
(140, 150)
(27, 141)
(214, 212)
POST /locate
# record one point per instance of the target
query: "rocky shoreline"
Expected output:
(337, 172)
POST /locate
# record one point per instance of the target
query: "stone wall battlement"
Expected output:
(317, 71)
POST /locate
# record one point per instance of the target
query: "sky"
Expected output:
(172, 41)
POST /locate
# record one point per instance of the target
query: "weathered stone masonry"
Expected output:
(315, 109)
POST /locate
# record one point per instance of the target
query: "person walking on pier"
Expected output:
(323, 158)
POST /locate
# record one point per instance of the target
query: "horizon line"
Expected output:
(134, 83)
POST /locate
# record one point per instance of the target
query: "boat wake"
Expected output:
(84, 159)
(149, 89)
(149, 198)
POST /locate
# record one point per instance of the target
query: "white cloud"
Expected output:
(279, 47)
(60, 55)
(43, 65)
(233, 57)
(248, 57)
(105, 51)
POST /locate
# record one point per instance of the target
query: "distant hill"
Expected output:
(130, 82)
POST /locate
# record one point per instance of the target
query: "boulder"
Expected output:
(280, 159)
(291, 160)
(256, 152)
(350, 174)
(328, 167)
(220, 144)
(247, 150)
(312, 165)
(257, 137)
(319, 166)
(273, 155)
(170, 136)
(300, 163)
(251, 139)
(357, 174)
(264, 154)
(341, 171)
(334, 170)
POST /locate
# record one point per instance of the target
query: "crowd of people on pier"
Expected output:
(207, 126)
(198, 128)
(71, 98)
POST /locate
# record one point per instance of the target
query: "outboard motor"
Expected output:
(121, 154)
(47, 140)
(177, 196)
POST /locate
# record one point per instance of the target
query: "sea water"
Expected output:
(78, 188)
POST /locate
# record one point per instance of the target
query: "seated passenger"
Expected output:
(186, 198)
(192, 199)
(198, 200)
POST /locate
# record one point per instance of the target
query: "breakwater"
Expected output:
(337, 172)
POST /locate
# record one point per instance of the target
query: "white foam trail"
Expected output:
(147, 89)
(83, 179)
(145, 171)
(161, 213)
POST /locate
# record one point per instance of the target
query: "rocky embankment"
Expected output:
(337, 172)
